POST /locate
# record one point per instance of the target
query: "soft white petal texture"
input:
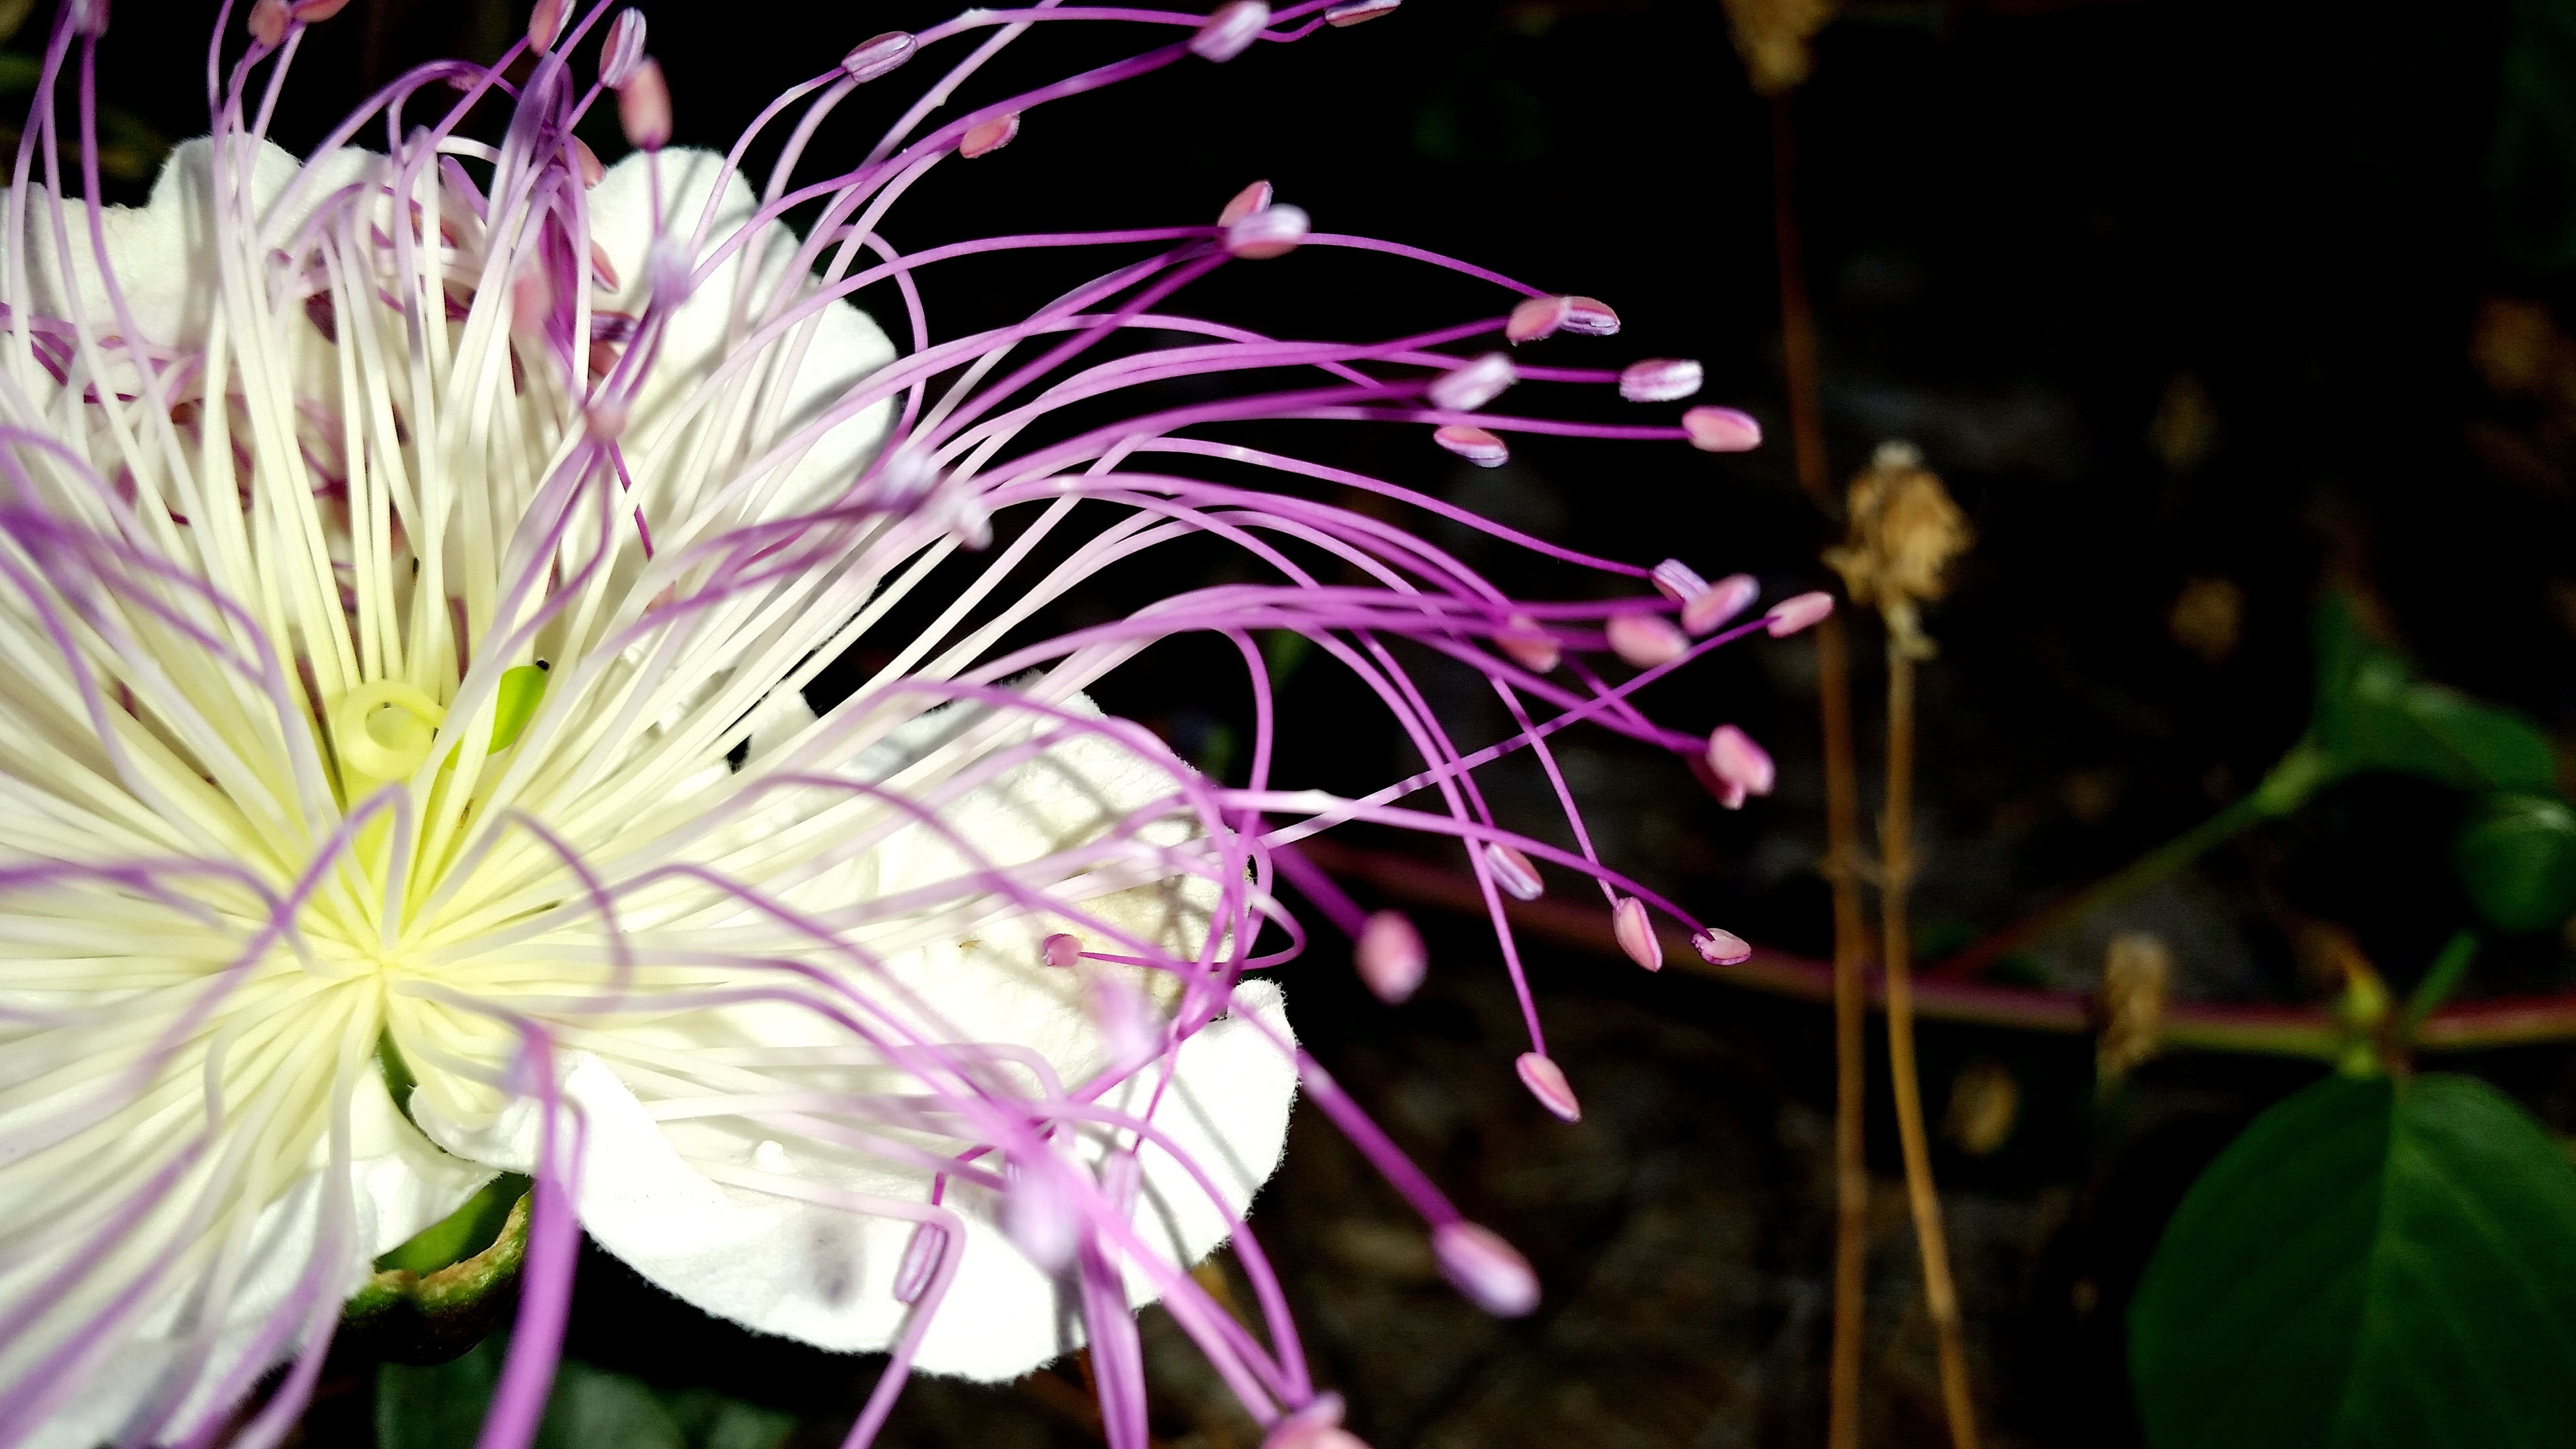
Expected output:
(399, 1184)
(665, 1192)
(826, 1276)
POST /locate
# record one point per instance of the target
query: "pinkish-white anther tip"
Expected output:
(1678, 581)
(605, 421)
(268, 20)
(1230, 30)
(1590, 317)
(877, 55)
(1529, 645)
(311, 12)
(1646, 640)
(1734, 758)
(1660, 379)
(1719, 602)
(1060, 950)
(545, 22)
(1473, 444)
(644, 107)
(89, 17)
(587, 160)
(1390, 957)
(921, 1255)
(1247, 201)
(1471, 385)
(1546, 1081)
(1273, 231)
(1488, 1271)
(1721, 948)
(1359, 11)
(1796, 612)
(987, 137)
(1037, 1219)
(1721, 430)
(1634, 930)
(1536, 318)
(1304, 1427)
(1513, 872)
(623, 50)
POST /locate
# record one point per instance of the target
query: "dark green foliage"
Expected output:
(2372, 1263)
(2517, 856)
(591, 1408)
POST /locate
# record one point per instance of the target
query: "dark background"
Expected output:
(2247, 293)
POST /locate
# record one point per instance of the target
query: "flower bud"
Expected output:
(1546, 1081)
(921, 1255)
(1536, 318)
(545, 22)
(1250, 199)
(1390, 956)
(1721, 430)
(1646, 640)
(1513, 872)
(1060, 950)
(874, 57)
(1719, 602)
(1797, 612)
(623, 50)
(1273, 231)
(1721, 948)
(1473, 444)
(1359, 11)
(986, 137)
(1230, 30)
(1529, 645)
(1588, 317)
(1678, 581)
(1660, 379)
(1488, 1271)
(1743, 765)
(1635, 933)
(644, 107)
(1469, 386)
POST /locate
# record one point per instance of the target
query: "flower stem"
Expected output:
(1842, 805)
(2288, 786)
(1896, 853)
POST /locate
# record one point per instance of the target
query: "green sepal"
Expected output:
(442, 1291)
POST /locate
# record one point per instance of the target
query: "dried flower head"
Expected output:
(2137, 975)
(1904, 531)
(1773, 36)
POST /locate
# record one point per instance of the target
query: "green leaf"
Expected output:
(2374, 1263)
(2517, 856)
(2373, 713)
(442, 1407)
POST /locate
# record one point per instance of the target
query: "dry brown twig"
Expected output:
(1772, 36)
(1905, 531)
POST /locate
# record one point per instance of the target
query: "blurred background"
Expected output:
(2203, 309)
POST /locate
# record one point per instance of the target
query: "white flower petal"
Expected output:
(825, 1276)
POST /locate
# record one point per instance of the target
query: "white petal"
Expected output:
(845, 344)
(825, 1276)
